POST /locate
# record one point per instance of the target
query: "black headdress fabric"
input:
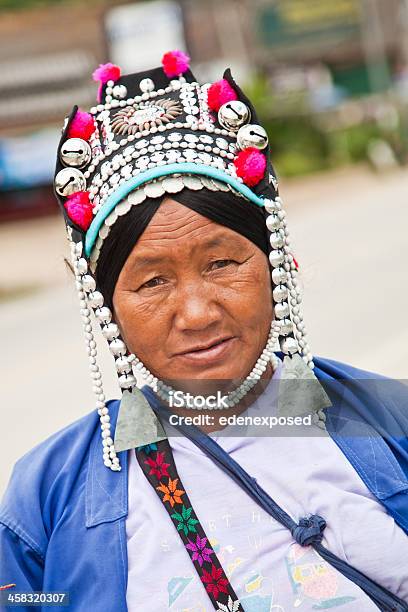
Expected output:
(224, 208)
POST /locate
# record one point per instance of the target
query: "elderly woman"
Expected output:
(191, 500)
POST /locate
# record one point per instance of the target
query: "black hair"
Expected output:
(223, 207)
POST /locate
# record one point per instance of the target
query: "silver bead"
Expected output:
(75, 152)
(285, 327)
(117, 347)
(119, 91)
(110, 331)
(146, 85)
(95, 299)
(88, 283)
(277, 240)
(82, 266)
(289, 346)
(126, 381)
(68, 181)
(252, 136)
(273, 222)
(280, 293)
(276, 257)
(232, 115)
(123, 365)
(282, 310)
(279, 276)
(103, 315)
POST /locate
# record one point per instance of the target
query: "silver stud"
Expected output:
(146, 85)
(103, 315)
(119, 91)
(277, 240)
(95, 299)
(273, 222)
(75, 152)
(280, 293)
(285, 327)
(279, 276)
(88, 283)
(232, 115)
(276, 257)
(252, 136)
(122, 365)
(68, 181)
(117, 347)
(110, 331)
(289, 346)
(282, 310)
(126, 381)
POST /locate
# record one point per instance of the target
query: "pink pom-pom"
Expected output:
(175, 63)
(103, 74)
(250, 165)
(79, 209)
(82, 126)
(219, 93)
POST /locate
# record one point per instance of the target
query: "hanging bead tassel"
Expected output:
(86, 286)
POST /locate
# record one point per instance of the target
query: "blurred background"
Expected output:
(330, 81)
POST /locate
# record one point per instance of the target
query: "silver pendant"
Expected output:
(137, 423)
(300, 392)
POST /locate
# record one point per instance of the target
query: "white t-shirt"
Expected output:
(305, 475)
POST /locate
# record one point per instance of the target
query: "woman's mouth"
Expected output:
(209, 353)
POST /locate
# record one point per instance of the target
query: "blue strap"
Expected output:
(309, 530)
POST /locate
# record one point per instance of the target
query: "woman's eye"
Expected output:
(153, 282)
(221, 263)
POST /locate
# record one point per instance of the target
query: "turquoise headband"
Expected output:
(154, 173)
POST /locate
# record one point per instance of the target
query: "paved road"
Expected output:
(350, 234)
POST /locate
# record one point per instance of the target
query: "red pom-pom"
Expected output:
(103, 74)
(250, 165)
(79, 209)
(82, 126)
(219, 93)
(175, 63)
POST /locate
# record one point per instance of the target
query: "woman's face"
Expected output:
(193, 300)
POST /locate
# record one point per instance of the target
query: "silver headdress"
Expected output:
(154, 133)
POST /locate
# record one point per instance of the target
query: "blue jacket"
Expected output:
(63, 516)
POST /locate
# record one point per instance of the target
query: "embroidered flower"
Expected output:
(171, 493)
(159, 468)
(232, 606)
(214, 582)
(200, 552)
(148, 448)
(186, 522)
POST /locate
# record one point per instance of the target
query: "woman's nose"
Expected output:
(196, 307)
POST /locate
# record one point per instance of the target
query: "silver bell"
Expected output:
(68, 181)
(119, 91)
(232, 115)
(75, 152)
(146, 85)
(252, 136)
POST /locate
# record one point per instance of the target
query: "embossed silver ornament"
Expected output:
(146, 85)
(119, 91)
(252, 136)
(75, 152)
(232, 115)
(68, 181)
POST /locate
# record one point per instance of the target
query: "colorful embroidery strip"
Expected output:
(158, 465)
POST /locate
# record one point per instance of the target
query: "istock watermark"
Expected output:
(178, 399)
